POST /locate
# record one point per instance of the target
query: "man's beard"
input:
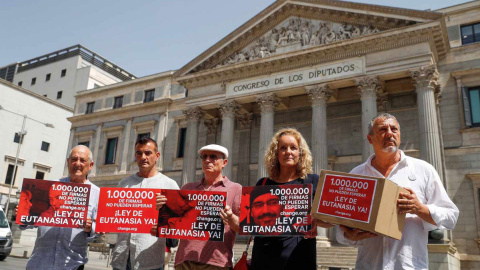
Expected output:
(391, 148)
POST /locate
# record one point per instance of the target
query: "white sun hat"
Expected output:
(214, 147)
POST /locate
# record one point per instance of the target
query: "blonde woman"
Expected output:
(288, 161)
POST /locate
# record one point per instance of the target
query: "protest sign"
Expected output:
(276, 210)
(357, 201)
(192, 214)
(53, 203)
(126, 210)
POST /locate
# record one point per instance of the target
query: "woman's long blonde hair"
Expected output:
(304, 165)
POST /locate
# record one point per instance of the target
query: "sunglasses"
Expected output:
(211, 156)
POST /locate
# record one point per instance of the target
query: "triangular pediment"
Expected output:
(287, 26)
(296, 33)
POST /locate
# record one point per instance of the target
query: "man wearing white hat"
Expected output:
(196, 254)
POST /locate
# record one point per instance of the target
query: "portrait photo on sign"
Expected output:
(192, 214)
(53, 203)
(276, 210)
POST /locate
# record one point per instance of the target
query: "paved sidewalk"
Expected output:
(22, 250)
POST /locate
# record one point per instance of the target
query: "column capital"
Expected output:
(267, 102)
(228, 108)
(368, 86)
(382, 100)
(211, 125)
(194, 114)
(318, 93)
(245, 120)
(425, 77)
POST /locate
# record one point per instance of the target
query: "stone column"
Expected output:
(382, 101)
(368, 88)
(95, 153)
(228, 110)
(126, 142)
(70, 146)
(190, 157)
(161, 132)
(211, 125)
(318, 96)
(426, 83)
(243, 157)
(267, 103)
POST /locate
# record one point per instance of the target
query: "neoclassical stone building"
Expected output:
(326, 68)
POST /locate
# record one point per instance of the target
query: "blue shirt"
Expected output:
(59, 248)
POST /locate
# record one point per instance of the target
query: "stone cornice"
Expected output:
(120, 113)
(428, 32)
(384, 18)
(127, 84)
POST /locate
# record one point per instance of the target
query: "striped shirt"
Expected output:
(209, 252)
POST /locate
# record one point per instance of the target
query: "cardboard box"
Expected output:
(357, 201)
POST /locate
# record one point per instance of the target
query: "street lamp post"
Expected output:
(21, 134)
(20, 142)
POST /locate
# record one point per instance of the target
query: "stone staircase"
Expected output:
(328, 258)
(336, 257)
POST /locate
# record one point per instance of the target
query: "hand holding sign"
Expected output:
(229, 218)
(161, 201)
(88, 225)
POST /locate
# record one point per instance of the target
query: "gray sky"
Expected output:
(143, 37)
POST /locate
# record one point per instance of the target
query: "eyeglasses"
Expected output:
(75, 159)
(211, 156)
(273, 202)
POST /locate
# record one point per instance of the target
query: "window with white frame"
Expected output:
(41, 170)
(182, 139)
(111, 150)
(470, 33)
(112, 136)
(10, 176)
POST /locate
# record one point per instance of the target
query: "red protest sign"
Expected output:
(53, 203)
(347, 197)
(276, 210)
(192, 214)
(126, 210)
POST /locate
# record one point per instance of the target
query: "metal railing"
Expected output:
(81, 51)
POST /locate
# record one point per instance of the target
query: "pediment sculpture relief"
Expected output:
(296, 34)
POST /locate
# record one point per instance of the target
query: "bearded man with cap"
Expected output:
(196, 254)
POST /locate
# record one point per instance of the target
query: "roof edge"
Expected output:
(18, 88)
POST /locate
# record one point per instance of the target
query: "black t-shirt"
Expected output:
(287, 252)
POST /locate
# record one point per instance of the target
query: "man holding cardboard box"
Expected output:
(427, 205)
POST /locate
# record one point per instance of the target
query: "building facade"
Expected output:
(61, 74)
(326, 68)
(39, 147)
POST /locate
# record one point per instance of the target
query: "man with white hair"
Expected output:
(426, 204)
(59, 248)
(196, 254)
